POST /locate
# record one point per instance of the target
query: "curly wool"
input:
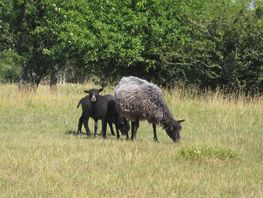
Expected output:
(139, 99)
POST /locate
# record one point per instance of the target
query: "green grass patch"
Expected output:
(206, 153)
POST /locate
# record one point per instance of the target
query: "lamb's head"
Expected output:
(93, 93)
(173, 129)
(123, 125)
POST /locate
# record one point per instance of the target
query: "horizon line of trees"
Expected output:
(206, 43)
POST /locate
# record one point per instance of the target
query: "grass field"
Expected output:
(220, 153)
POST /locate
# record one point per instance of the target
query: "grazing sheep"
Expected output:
(138, 99)
(101, 108)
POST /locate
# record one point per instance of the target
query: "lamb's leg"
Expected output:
(86, 125)
(80, 125)
(154, 133)
(111, 129)
(104, 128)
(101, 128)
(95, 128)
(135, 126)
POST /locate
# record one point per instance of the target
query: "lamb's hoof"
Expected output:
(77, 133)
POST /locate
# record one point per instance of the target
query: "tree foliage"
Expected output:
(207, 43)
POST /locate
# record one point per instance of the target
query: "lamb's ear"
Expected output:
(100, 90)
(181, 120)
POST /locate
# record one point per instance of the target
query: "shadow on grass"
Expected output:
(74, 132)
(109, 137)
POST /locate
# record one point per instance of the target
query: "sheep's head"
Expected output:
(123, 125)
(173, 129)
(93, 93)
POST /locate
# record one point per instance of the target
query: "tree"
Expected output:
(207, 43)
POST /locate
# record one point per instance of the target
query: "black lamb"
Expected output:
(138, 99)
(102, 108)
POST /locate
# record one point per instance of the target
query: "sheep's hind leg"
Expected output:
(154, 133)
(135, 125)
(127, 134)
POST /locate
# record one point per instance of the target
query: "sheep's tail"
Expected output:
(79, 104)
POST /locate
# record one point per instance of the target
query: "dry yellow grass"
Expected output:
(220, 153)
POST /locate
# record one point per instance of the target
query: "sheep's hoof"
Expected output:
(156, 140)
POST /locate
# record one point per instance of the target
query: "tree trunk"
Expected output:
(54, 79)
(29, 81)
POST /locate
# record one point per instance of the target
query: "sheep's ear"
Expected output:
(100, 90)
(87, 91)
(181, 120)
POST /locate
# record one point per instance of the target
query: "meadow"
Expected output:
(220, 153)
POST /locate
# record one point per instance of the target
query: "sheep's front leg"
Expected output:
(117, 131)
(154, 133)
(135, 125)
(127, 135)
(111, 129)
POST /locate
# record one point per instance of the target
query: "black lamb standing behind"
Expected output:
(102, 108)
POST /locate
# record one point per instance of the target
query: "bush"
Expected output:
(10, 69)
